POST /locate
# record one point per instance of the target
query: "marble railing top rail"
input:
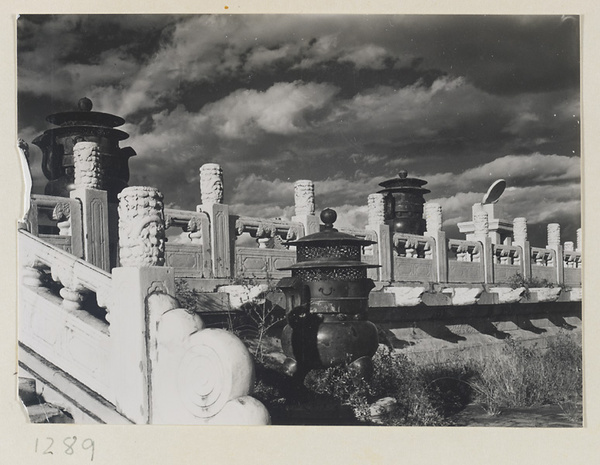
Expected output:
(412, 238)
(507, 250)
(61, 206)
(263, 227)
(413, 246)
(48, 200)
(461, 245)
(572, 255)
(542, 253)
(360, 233)
(72, 272)
(184, 219)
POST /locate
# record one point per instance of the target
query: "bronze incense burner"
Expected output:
(404, 203)
(327, 303)
(84, 125)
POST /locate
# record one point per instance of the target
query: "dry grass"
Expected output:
(430, 388)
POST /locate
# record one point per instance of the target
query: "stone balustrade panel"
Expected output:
(58, 221)
(75, 275)
(572, 268)
(507, 263)
(413, 258)
(543, 264)
(465, 262)
(263, 263)
(190, 255)
(54, 326)
(263, 228)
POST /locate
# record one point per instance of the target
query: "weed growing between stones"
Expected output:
(518, 280)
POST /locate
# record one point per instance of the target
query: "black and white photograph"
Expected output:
(359, 220)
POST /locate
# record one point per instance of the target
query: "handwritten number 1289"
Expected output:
(69, 446)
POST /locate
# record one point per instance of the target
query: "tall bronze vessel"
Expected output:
(404, 203)
(84, 125)
(327, 303)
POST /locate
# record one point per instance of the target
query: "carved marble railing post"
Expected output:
(141, 227)
(211, 184)
(166, 367)
(481, 224)
(94, 226)
(553, 235)
(304, 206)
(555, 245)
(520, 239)
(129, 336)
(433, 216)
(88, 171)
(141, 254)
(304, 197)
(211, 195)
(481, 234)
(519, 230)
(569, 246)
(434, 220)
(385, 251)
(89, 185)
(376, 209)
(579, 240)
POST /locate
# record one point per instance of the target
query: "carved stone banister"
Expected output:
(542, 257)
(469, 251)
(360, 233)
(572, 259)
(507, 254)
(73, 273)
(413, 246)
(58, 208)
(169, 368)
(182, 218)
(266, 228)
(46, 200)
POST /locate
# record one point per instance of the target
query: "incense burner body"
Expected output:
(327, 302)
(404, 200)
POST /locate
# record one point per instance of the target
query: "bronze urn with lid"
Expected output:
(404, 203)
(86, 125)
(327, 302)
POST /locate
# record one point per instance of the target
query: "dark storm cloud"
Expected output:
(501, 54)
(344, 100)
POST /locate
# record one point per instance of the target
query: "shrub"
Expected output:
(188, 298)
(394, 376)
(518, 280)
(251, 322)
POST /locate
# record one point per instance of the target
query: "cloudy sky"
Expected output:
(346, 101)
